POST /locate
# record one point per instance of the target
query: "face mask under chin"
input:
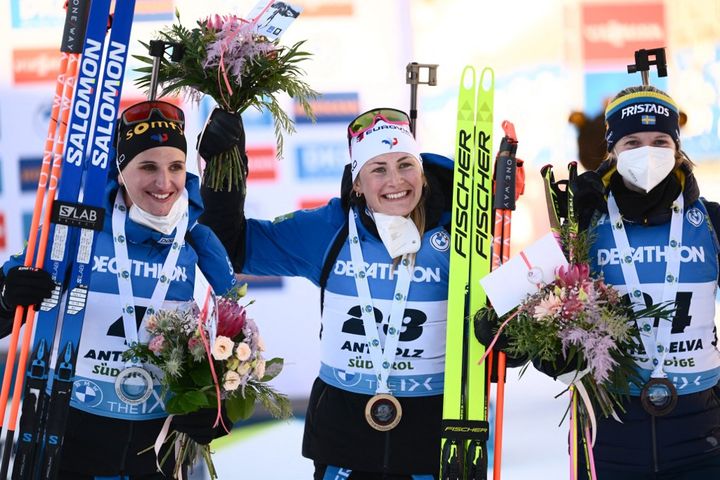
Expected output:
(163, 224)
(399, 234)
(645, 167)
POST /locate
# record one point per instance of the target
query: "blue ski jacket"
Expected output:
(299, 244)
(104, 434)
(689, 435)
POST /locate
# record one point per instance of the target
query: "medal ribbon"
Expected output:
(657, 345)
(124, 268)
(382, 358)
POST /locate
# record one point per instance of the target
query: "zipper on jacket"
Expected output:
(126, 448)
(386, 455)
(656, 468)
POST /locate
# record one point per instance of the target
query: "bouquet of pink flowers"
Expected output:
(580, 325)
(226, 58)
(206, 364)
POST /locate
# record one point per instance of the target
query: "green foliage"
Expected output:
(264, 76)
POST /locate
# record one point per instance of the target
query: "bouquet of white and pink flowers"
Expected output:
(208, 364)
(579, 325)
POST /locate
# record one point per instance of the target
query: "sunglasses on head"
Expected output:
(142, 112)
(367, 120)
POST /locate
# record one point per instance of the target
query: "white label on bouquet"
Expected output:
(523, 274)
(203, 295)
(273, 18)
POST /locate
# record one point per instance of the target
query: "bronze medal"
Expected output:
(383, 412)
(659, 397)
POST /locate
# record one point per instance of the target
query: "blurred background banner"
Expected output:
(550, 57)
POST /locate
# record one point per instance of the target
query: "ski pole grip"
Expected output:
(505, 166)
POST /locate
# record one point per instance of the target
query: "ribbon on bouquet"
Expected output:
(160, 440)
(203, 336)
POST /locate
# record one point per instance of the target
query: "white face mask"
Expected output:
(645, 167)
(398, 234)
(165, 224)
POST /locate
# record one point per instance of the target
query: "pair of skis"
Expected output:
(475, 248)
(78, 150)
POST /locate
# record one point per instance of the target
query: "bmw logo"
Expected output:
(440, 241)
(87, 393)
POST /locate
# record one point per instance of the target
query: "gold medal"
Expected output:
(659, 397)
(383, 412)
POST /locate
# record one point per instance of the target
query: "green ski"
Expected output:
(465, 427)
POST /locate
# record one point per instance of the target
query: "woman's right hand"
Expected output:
(25, 286)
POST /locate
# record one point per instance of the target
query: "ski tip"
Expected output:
(467, 80)
(487, 79)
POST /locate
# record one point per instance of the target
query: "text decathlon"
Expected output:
(385, 271)
(645, 108)
(106, 264)
(650, 254)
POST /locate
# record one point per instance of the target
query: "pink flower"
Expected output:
(231, 318)
(223, 348)
(157, 344)
(231, 381)
(214, 22)
(243, 352)
(259, 371)
(573, 275)
(548, 306)
(196, 347)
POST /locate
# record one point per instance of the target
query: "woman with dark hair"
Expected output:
(148, 256)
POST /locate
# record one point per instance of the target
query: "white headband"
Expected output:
(381, 138)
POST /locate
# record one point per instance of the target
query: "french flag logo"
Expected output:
(390, 142)
(159, 137)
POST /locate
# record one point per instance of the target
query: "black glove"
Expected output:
(25, 286)
(223, 131)
(559, 366)
(588, 195)
(486, 324)
(199, 425)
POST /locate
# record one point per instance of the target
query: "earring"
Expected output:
(358, 194)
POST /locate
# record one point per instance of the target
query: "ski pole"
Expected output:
(509, 185)
(84, 181)
(69, 52)
(412, 77)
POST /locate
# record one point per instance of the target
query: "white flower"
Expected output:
(259, 369)
(243, 352)
(223, 348)
(231, 381)
(243, 369)
(260, 344)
